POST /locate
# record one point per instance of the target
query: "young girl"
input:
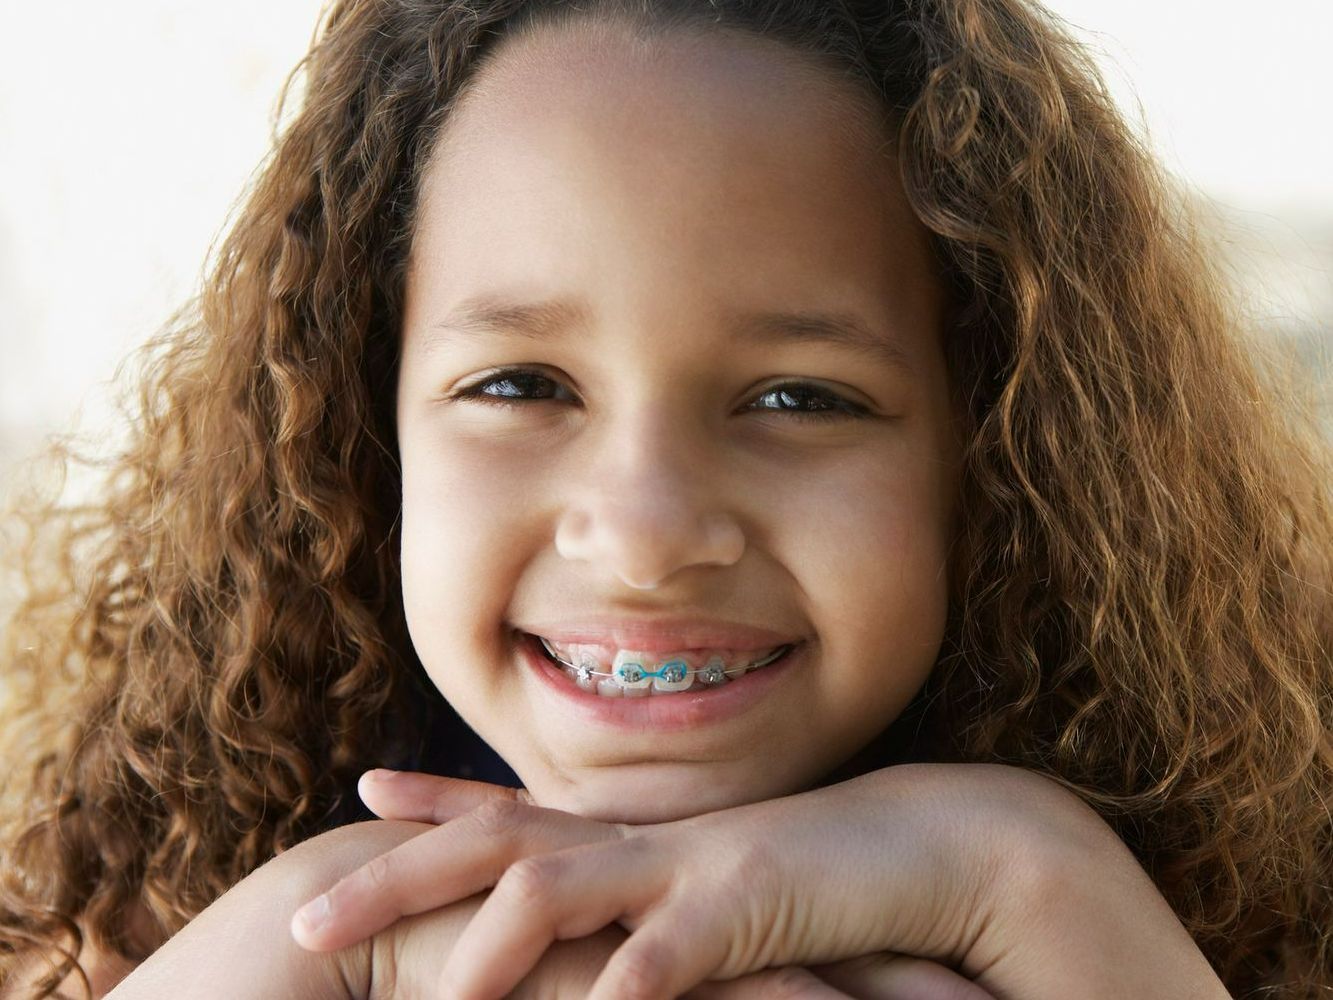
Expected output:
(800, 445)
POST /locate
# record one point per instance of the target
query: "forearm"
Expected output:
(241, 947)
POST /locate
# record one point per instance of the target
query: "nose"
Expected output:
(646, 505)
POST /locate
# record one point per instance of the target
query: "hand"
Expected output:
(991, 869)
(487, 829)
(410, 956)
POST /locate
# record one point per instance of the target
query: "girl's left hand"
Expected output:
(990, 870)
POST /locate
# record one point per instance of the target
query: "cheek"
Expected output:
(463, 509)
(869, 548)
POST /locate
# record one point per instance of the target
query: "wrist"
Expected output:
(1070, 904)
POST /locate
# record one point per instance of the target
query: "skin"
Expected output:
(667, 188)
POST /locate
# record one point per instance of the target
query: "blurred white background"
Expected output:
(128, 131)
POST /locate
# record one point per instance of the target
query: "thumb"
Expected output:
(428, 798)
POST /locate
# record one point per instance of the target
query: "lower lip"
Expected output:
(660, 713)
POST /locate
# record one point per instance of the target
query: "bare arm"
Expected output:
(240, 947)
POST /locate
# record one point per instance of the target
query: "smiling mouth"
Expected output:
(638, 674)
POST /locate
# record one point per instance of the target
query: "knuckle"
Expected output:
(755, 864)
(789, 983)
(640, 973)
(757, 900)
(376, 875)
(743, 862)
(533, 879)
(624, 832)
(499, 817)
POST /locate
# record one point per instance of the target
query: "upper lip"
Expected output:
(663, 635)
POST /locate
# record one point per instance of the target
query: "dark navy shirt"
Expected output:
(455, 751)
(450, 749)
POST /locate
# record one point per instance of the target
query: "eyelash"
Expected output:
(840, 409)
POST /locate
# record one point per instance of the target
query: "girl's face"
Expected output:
(680, 451)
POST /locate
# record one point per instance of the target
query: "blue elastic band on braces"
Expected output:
(673, 671)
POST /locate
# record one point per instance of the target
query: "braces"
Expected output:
(673, 671)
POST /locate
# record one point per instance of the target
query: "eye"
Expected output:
(807, 401)
(514, 386)
(803, 400)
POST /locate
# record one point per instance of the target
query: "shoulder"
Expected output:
(288, 879)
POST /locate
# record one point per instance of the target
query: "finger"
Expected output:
(890, 976)
(451, 862)
(556, 896)
(427, 798)
(790, 983)
(671, 952)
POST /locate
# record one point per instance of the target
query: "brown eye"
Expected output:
(511, 386)
(807, 401)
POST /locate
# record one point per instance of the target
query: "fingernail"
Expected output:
(315, 913)
(378, 774)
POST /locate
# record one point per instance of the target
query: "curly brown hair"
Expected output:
(202, 660)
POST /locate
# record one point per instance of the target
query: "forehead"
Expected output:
(690, 76)
(720, 169)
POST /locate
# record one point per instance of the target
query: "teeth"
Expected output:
(636, 674)
(629, 669)
(674, 675)
(585, 675)
(714, 671)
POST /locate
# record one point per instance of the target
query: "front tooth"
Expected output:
(630, 670)
(673, 675)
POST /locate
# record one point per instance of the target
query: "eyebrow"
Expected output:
(544, 321)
